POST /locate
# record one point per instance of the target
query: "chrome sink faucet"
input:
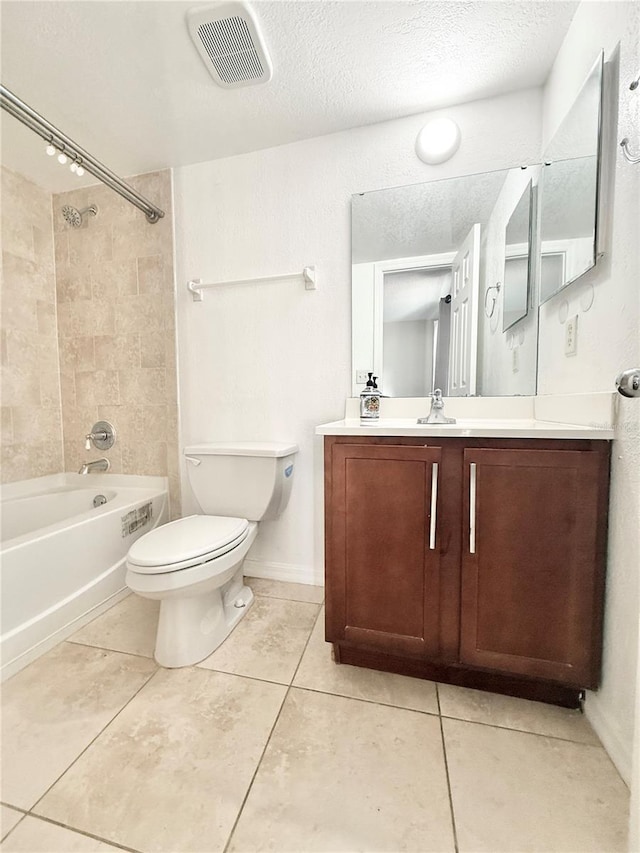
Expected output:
(436, 415)
(98, 465)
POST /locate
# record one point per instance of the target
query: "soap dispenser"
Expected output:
(370, 401)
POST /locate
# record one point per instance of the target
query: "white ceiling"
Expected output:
(125, 81)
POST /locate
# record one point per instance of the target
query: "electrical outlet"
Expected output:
(571, 336)
(362, 376)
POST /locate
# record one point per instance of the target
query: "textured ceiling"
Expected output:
(124, 79)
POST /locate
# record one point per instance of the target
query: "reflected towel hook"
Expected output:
(489, 312)
(624, 144)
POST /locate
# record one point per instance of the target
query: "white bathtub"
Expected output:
(63, 560)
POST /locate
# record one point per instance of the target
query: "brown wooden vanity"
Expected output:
(472, 561)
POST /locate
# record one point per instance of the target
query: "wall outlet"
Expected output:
(362, 376)
(571, 336)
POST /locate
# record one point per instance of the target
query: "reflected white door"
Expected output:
(463, 343)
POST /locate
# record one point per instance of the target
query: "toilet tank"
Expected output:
(247, 479)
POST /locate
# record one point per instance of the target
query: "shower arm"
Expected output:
(50, 133)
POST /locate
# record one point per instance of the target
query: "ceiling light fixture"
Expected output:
(438, 140)
(62, 158)
(50, 150)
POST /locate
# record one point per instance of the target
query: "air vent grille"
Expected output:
(228, 38)
(231, 50)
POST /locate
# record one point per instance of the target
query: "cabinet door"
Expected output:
(383, 547)
(531, 574)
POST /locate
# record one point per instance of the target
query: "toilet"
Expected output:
(193, 566)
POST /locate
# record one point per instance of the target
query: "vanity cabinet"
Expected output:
(474, 561)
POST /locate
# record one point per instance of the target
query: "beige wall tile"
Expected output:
(50, 394)
(117, 351)
(86, 317)
(67, 388)
(6, 425)
(27, 278)
(73, 283)
(20, 386)
(153, 350)
(46, 313)
(114, 278)
(148, 458)
(18, 310)
(153, 274)
(33, 424)
(143, 385)
(91, 243)
(96, 387)
(77, 353)
(139, 313)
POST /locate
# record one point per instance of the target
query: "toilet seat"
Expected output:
(186, 542)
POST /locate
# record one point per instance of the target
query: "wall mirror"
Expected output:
(569, 191)
(517, 261)
(423, 259)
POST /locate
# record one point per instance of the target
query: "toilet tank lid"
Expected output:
(241, 448)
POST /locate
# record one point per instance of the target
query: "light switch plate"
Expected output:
(571, 336)
(362, 376)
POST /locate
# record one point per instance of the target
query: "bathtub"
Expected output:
(62, 558)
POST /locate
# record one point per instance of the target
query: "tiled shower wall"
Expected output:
(116, 329)
(31, 433)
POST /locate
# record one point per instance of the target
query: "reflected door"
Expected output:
(463, 346)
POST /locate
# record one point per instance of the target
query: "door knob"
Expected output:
(628, 382)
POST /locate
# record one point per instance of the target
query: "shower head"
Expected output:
(74, 216)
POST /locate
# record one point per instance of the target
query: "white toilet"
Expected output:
(194, 565)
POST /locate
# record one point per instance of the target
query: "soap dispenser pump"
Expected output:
(370, 401)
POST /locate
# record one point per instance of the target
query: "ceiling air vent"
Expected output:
(228, 39)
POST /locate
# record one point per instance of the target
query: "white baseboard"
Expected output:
(283, 572)
(619, 752)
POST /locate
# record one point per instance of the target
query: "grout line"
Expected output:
(22, 814)
(446, 770)
(282, 598)
(237, 675)
(366, 701)
(266, 746)
(90, 744)
(522, 731)
(107, 649)
(83, 832)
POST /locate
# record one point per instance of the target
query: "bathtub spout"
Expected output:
(99, 465)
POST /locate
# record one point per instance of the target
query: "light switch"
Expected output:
(571, 336)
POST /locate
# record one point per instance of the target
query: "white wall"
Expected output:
(271, 361)
(608, 341)
(408, 358)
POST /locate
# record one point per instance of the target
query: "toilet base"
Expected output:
(192, 628)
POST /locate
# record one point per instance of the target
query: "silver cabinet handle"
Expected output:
(434, 505)
(472, 507)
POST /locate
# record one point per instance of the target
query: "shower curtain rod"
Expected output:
(50, 133)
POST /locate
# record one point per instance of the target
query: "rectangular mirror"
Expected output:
(569, 191)
(517, 261)
(426, 260)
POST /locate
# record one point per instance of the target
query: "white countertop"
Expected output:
(466, 428)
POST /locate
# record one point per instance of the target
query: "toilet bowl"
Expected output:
(193, 565)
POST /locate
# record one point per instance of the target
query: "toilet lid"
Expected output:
(187, 539)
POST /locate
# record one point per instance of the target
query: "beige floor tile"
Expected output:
(514, 791)
(40, 836)
(54, 708)
(268, 642)
(317, 671)
(8, 819)
(290, 591)
(171, 772)
(130, 626)
(478, 706)
(342, 775)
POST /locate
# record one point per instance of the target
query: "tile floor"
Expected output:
(269, 746)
